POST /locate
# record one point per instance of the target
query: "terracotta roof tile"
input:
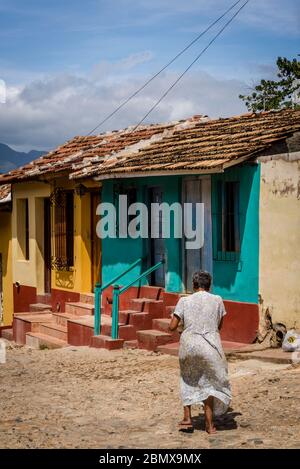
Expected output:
(197, 145)
(5, 191)
(65, 156)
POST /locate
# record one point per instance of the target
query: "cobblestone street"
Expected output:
(89, 398)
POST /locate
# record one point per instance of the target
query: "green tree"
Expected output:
(280, 94)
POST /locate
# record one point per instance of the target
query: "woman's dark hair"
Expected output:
(202, 279)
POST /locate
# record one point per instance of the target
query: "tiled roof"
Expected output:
(203, 146)
(72, 152)
(196, 144)
(5, 192)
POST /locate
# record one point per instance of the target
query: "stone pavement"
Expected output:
(89, 398)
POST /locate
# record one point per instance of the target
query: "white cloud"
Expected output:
(45, 113)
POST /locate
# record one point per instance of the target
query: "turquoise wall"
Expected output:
(118, 254)
(233, 280)
(238, 279)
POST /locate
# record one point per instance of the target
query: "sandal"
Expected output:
(186, 427)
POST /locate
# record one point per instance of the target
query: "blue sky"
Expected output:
(68, 63)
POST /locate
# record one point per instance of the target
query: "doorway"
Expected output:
(95, 241)
(47, 245)
(156, 249)
(197, 189)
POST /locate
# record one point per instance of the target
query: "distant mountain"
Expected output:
(11, 159)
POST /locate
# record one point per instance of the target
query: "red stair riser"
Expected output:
(141, 321)
(20, 328)
(61, 321)
(125, 332)
(153, 293)
(161, 326)
(170, 299)
(79, 334)
(100, 342)
(52, 332)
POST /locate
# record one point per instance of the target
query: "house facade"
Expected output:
(54, 257)
(245, 170)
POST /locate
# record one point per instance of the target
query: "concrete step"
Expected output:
(62, 318)
(151, 339)
(38, 340)
(7, 334)
(39, 308)
(148, 291)
(54, 330)
(140, 321)
(126, 332)
(162, 324)
(169, 349)
(103, 341)
(28, 322)
(44, 299)
(79, 309)
(169, 310)
(146, 305)
(124, 315)
(88, 298)
(132, 344)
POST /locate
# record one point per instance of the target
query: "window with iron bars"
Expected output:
(228, 221)
(62, 222)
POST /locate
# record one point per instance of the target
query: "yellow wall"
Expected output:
(279, 284)
(31, 272)
(79, 278)
(5, 250)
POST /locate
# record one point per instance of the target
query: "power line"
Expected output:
(190, 66)
(162, 69)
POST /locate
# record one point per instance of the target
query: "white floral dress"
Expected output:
(203, 366)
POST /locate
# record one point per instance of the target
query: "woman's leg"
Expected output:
(208, 412)
(187, 417)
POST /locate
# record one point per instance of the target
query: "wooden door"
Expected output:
(95, 241)
(157, 245)
(198, 189)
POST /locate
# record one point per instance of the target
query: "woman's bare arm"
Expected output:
(174, 323)
(221, 324)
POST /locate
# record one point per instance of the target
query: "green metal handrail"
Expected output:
(98, 295)
(117, 291)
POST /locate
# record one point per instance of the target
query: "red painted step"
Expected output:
(126, 332)
(141, 321)
(145, 305)
(39, 308)
(54, 330)
(162, 324)
(103, 341)
(151, 339)
(169, 349)
(124, 315)
(79, 309)
(132, 344)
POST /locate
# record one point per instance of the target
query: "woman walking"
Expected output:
(203, 366)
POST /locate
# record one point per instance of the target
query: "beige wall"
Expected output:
(279, 256)
(30, 272)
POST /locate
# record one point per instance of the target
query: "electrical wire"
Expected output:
(190, 66)
(162, 69)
